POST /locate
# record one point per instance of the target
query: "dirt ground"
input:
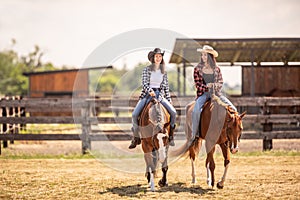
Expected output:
(249, 177)
(258, 176)
(74, 147)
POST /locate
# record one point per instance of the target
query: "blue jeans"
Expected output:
(198, 109)
(141, 104)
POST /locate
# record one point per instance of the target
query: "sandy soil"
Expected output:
(74, 147)
(249, 177)
(264, 176)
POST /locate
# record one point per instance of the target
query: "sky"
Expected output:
(69, 31)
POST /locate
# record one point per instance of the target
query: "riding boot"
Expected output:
(135, 140)
(171, 136)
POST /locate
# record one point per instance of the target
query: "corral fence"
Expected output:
(267, 118)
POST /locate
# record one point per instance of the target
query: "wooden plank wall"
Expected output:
(272, 80)
(70, 81)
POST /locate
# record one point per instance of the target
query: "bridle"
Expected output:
(228, 131)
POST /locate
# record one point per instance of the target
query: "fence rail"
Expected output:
(86, 113)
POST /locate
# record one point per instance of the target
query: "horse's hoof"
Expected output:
(219, 186)
(162, 183)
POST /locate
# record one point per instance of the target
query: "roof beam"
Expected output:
(293, 55)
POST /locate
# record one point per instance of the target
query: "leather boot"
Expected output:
(135, 140)
(171, 136)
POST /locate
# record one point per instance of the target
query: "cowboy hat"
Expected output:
(208, 49)
(155, 51)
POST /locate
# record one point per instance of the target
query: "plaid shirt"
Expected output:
(200, 83)
(164, 86)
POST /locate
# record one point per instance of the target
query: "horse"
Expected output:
(154, 125)
(228, 139)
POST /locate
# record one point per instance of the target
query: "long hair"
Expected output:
(210, 60)
(162, 65)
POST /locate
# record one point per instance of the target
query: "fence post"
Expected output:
(22, 114)
(11, 113)
(267, 143)
(4, 126)
(86, 128)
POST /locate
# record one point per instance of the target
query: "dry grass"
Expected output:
(252, 174)
(262, 177)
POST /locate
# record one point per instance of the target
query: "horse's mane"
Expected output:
(221, 103)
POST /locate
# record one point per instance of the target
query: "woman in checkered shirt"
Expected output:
(208, 79)
(155, 83)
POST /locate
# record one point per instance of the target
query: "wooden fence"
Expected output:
(89, 112)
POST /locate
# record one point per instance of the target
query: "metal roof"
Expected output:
(66, 70)
(239, 50)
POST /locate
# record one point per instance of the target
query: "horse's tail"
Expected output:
(182, 150)
(189, 149)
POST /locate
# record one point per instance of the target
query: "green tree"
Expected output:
(12, 67)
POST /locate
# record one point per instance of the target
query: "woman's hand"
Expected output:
(210, 85)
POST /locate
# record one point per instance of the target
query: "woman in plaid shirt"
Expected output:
(155, 83)
(208, 79)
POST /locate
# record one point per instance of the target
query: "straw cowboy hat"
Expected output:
(155, 51)
(208, 49)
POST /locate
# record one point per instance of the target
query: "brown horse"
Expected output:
(227, 140)
(154, 127)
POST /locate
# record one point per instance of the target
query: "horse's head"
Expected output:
(234, 129)
(160, 124)
(161, 143)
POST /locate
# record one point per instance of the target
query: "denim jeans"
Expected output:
(198, 109)
(197, 112)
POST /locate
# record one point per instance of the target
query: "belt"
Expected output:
(156, 89)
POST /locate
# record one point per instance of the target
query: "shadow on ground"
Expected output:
(139, 190)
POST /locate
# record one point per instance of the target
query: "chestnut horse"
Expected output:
(228, 139)
(154, 127)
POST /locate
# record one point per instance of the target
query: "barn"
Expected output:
(60, 83)
(70, 83)
(270, 66)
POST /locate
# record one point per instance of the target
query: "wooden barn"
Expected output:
(71, 83)
(270, 66)
(60, 84)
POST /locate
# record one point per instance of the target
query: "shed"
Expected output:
(259, 58)
(60, 83)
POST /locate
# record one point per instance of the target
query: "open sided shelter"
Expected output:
(259, 58)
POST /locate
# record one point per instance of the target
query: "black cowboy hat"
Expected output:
(155, 51)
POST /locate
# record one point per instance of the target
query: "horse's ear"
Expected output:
(243, 114)
(153, 100)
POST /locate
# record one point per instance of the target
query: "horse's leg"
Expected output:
(226, 155)
(210, 167)
(193, 171)
(163, 181)
(192, 153)
(150, 169)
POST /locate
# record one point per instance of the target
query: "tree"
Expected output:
(12, 67)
